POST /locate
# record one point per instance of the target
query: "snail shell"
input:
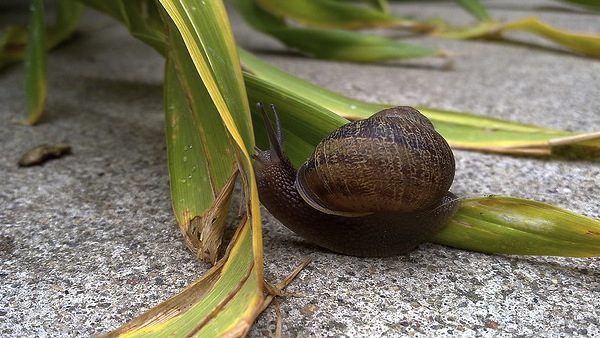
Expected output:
(394, 161)
(373, 188)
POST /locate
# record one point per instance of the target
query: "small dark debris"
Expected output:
(7, 245)
(44, 152)
(491, 324)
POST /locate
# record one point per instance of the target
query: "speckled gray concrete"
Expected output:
(88, 242)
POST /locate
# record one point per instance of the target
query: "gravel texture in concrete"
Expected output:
(89, 241)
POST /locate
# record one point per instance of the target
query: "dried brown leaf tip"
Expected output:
(42, 153)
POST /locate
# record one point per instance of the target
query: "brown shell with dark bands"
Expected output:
(393, 161)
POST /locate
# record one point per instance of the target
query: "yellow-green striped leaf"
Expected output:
(585, 44)
(209, 136)
(515, 226)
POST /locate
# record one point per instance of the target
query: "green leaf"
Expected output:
(471, 132)
(589, 4)
(474, 7)
(32, 43)
(39, 39)
(505, 225)
(330, 13)
(36, 63)
(344, 45)
(215, 96)
(202, 162)
(381, 5)
(209, 135)
(139, 16)
(68, 15)
(585, 44)
(312, 108)
(13, 40)
(330, 43)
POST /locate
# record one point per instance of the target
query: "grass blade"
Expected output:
(470, 132)
(202, 162)
(68, 15)
(139, 16)
(474, 7)
(335, 44)
(13, 40)
(589, 4)
(205, 91)
(463, 131)
(515, 226)
(36, 59)
(585, 44)
(32, 43)
(327, 43)
(201, 145)
(328, 13)
(381, 5)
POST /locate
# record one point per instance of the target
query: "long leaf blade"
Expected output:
(585, 44)
(233, 297)
(36, 77)
(199, 23)
(13, 39)
(342, 45)
(327, 43)
(589, 4)
(464, 131)
(515, 226)
(202, 163)
(211, 86)
(474, 7)
(68, 15)
(139, 16)
(327, 13)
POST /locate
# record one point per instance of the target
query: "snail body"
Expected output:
(372, 188)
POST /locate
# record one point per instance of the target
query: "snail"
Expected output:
(372, 188)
